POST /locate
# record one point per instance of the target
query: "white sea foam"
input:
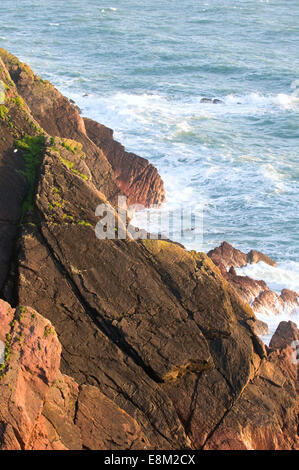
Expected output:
(121, 109)
(284, 276)
(273, 322)
(104, 10)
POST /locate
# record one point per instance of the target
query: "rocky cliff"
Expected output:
(157, 347)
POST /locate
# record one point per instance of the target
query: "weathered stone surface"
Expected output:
(285, 334)
(226, 256)
(41, 409)
(256, 256)
(103, 426)
(266, 415)
(58, 117)
(30, 369)
(268, 302)
(290, 299)
(135, 176)
(13, 185)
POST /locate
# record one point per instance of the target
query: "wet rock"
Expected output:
(255, 292)
(256, 256)
(226, 256)
(134, 176)
(291, 300)
(268, 302)
(261, 328)
(285, 334)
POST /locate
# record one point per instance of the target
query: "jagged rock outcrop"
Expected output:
(136, 177)
(256, 293)
(285, 334)
(145, 326)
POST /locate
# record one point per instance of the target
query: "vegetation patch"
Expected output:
(33, 148)
(72, 146)
(9, 343)
(3, 111)
(70, 165)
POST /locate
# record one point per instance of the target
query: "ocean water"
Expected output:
(142, 68)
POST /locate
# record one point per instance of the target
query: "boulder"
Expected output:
(269, 303)
(291, 300)
(285, 334)
(255, 292)
(256, 257)
(226, 256)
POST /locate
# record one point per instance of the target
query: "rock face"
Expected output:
(158, 348)
(135, 176)
(286, 333)
(42, 409)
(256, 256)
(258, 429)
(256, 293)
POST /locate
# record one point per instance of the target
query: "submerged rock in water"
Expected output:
(210, 100)
(256, 256)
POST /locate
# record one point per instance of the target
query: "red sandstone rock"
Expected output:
(248, 288)
(285, 334)
(261, 328)
(226, 256)
(268, 302)
(136, 177)
(255, 422)
(290, 299)
(256, 256)
(98, 418)
(156, 329)
(31, 367)
(41, 409)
